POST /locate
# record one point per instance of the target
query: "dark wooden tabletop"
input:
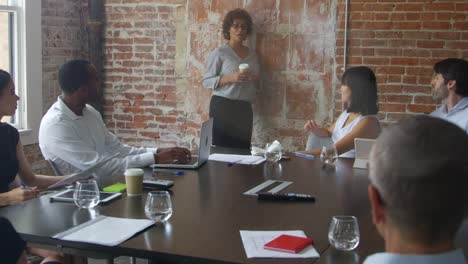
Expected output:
(210, 210)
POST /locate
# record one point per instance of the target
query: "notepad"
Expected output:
(105, 230)
(116, 188)
(254, 242)
(289, 244)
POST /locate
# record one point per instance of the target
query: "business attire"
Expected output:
(9, 138)
(75, 143)
(231, 104)
(457, 115)
(452, 257)
(341, 131)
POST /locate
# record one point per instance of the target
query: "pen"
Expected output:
(303, 155)
(24, 186)
(230, 164)
(169, 173)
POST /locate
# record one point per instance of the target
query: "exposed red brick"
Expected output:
(426, 109)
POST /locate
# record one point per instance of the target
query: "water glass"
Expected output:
(86, 194)
(329, 155)
(273, 153)
(343, 233)
(158, 206)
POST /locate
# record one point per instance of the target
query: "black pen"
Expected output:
(285, 196)
(230, 164)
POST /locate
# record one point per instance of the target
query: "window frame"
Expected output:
(27, 66)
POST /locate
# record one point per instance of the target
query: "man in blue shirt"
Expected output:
(419, 176)
(450, 83)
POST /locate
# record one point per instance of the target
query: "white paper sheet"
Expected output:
(254, 240)
(105, 230)
(82, 175)
(237, 159)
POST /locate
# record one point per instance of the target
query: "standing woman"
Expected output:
(233, 89)
(359, 120)
(13, 164)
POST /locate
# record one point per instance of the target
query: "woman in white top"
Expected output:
(359, 120)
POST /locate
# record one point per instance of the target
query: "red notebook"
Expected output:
(287, 243)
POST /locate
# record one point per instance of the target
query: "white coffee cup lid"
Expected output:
(243, 66)
(134, 172)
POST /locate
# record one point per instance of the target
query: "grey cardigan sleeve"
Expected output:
(212, 75)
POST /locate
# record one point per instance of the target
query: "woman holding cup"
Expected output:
(232, 73)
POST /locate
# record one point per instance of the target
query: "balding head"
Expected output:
(419, 167)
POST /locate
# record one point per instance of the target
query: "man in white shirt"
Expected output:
(74, 137)
(450, 82)
(419, 176)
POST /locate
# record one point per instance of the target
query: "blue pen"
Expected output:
(24, 186)
(303, 155)
(169, 173)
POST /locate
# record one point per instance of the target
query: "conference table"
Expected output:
(210, 209)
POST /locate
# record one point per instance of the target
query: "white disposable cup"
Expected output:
(134, 181)
(243, 67)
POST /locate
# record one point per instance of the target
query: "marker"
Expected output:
(169, 173)
(303, 155)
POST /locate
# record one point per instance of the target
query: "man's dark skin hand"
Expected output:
(174, 155)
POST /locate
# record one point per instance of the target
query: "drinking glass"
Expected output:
(343, 233)
(273, 152)
(328, 155)
(86, 194)
(158, 206)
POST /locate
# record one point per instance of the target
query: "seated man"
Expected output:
(73, 135)
(419, 176)
(450, 83)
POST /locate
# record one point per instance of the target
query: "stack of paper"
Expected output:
(237, 159)
(254, 242)
(105, 230)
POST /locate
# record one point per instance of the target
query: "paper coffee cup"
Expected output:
(134, 181)
(243, 67)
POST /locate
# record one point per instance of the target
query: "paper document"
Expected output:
(82, 175)
(105, 230)
(237, 159)
(254, 240)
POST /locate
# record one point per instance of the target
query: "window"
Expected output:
(20, 49)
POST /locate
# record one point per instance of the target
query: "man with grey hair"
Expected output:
(419, 179)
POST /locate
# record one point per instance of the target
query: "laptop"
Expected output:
(203, 150)
(363, 147)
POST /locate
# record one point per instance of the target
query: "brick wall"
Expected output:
(63, 38)
(155, 57)
(155, 52)
(401, 40)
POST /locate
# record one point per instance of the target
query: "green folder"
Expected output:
(116, 188)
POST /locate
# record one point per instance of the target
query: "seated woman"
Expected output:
(359, 120)
(13, 163)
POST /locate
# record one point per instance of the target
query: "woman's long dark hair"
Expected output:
(363, 84)
(5, 79)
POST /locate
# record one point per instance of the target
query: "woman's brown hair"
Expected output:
(237, 13)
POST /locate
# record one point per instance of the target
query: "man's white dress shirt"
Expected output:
(74, 143)
(457, 115)
(453, 257)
